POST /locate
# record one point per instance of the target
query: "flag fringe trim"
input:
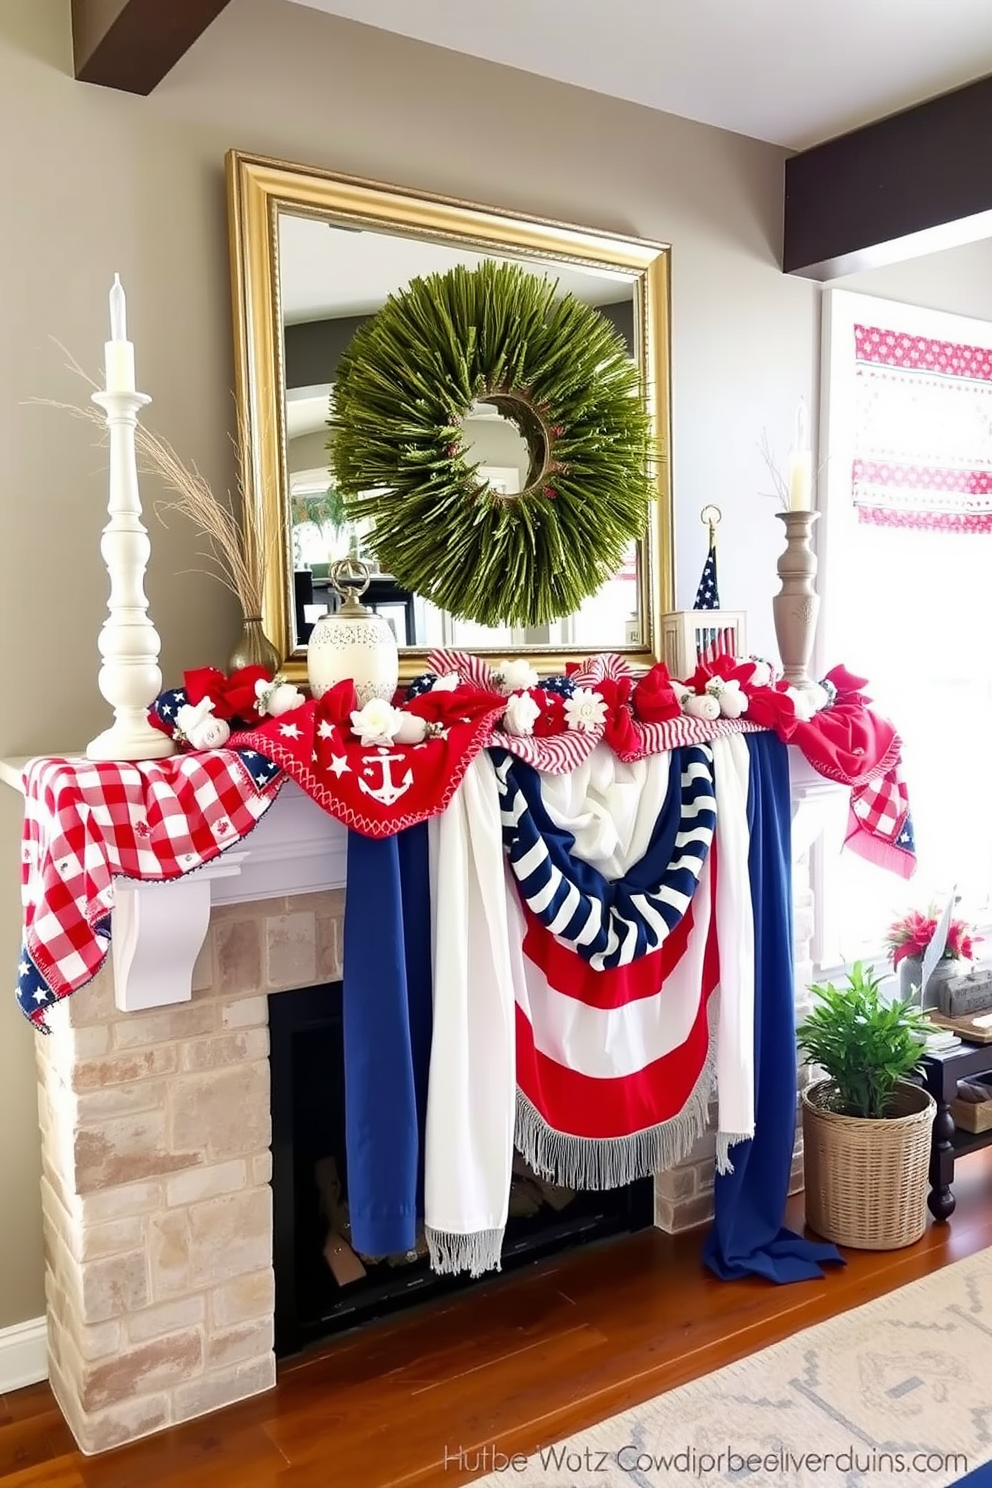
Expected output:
(476, 1253)
(724, 1142)
(611, 1162)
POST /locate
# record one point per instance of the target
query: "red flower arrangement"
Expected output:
(911, 935)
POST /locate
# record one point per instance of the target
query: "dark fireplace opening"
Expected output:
(322, 1286)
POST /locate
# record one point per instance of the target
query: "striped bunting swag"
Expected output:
(609, 923)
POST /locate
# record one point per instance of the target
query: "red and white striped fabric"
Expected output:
(559, 754)
(597, 1077)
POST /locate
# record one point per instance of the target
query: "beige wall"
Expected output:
(96, 182)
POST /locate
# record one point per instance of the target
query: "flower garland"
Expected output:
(203, 713)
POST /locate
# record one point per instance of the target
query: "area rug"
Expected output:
(894, 1394)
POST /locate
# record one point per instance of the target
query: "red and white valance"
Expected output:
(922, 437)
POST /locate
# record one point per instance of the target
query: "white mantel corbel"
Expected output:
(158, 930)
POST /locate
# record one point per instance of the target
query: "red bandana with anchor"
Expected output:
(378, 789)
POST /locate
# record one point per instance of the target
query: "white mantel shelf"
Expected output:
(297, 848)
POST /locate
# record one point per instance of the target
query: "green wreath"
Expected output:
(560, 371)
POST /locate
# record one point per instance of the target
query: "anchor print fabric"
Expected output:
(374, 789)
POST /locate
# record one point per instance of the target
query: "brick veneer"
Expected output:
(156, 1165)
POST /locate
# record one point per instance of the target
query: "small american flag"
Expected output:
(711, 642)
(708, 593)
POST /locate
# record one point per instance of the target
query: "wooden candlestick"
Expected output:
(796, 607)
(130, 678)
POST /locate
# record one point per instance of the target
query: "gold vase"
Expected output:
(254, 648)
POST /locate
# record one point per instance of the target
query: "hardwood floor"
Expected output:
(521, 1363)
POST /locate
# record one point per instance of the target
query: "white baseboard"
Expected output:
(23, 1354)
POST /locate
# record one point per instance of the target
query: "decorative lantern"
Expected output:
(353, 642)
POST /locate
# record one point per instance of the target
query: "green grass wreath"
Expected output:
(562, 374)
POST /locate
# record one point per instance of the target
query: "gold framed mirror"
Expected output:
(313, 256)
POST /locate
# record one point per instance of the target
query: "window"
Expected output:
(906, 488)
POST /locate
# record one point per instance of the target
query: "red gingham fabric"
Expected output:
(87, 822)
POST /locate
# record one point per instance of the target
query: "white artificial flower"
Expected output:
(411, 729)
(762, 674)
(702, 706)
(682, 693)
(212, 733)
(516, 676)
(732, 700)
(276, 698)
(585, 711)
(818, 696)
(521, 714)
(201, 729)
(447, 683)
(377, 723)
(805, 707)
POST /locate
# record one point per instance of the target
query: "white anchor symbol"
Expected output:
(388, 791)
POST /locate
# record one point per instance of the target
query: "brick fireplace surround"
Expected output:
(156, 1130)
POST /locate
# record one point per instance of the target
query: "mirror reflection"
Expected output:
(332, 277)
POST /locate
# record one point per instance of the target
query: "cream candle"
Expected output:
(801, 464)
(118, 352)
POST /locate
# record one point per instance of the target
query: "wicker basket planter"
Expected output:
(866, 1180)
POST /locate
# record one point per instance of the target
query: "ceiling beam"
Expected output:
(132, 44)
(913, 183)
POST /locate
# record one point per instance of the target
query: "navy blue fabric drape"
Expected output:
(387, 1035)
(747, 1238)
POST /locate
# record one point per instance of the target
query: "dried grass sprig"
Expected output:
(781, 491)
(237, 547)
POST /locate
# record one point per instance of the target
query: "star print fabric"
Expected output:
(373, 789)
(89, 822)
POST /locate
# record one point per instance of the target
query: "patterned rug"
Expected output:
(895, 1394)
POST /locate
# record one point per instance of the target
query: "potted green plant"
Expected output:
(866, 1126)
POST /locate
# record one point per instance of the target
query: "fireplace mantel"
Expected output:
(156, 1121)
(297, 848)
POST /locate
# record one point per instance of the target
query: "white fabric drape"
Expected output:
(735, 938)
(472, 1081)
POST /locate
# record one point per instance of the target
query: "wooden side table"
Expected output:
(941, 1076)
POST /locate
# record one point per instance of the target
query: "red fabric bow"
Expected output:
(847, 742)
(654, 697)
(724, 667)
(336, 705)
(464, 704)
(551, 719)
(233, 697)
(620, 731)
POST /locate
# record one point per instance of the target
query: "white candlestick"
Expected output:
(130, 678)
(118, 352)
(801, 464)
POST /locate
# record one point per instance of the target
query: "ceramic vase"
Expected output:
(911, 971)
(354, 643)
(254, 648)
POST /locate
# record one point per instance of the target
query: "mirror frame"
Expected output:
(259, 189)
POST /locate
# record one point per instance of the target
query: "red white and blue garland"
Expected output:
(611, 1078)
